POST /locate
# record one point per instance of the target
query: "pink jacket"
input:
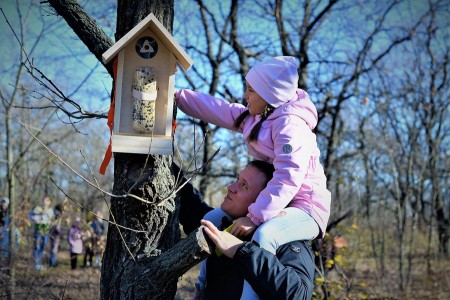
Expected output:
(286, 140)
(75, 239)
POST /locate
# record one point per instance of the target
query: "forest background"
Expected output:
(376, 70)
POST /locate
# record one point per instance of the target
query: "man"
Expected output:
(287, 275)
(4, 229)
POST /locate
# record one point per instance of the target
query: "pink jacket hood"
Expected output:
(301, 107)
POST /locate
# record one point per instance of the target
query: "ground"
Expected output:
(63, 283)
(429, 279)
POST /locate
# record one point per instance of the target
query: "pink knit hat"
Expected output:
(275, 80)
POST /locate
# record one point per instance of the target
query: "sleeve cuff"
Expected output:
(254, 219)
(245, 250)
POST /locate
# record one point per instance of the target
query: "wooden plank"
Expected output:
(170, 98)
(142, 144)
(118, 86)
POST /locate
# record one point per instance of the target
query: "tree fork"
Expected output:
(85, 27)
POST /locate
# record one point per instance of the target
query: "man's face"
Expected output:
(243, 192)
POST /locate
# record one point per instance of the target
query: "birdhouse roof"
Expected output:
(162, 34)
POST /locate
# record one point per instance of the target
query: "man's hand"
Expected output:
(227, 243)
(243, 227)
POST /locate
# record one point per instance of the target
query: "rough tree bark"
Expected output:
(139, 265)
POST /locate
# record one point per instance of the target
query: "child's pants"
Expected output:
(73, 260)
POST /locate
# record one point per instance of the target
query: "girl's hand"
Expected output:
(243, 227)
(176, 95)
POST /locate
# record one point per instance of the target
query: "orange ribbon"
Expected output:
(110, 123)
(174, 126)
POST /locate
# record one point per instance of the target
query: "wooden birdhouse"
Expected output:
(144, 88)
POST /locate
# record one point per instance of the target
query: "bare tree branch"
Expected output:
(85, 28)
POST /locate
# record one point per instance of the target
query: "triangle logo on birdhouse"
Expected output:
(152, 23)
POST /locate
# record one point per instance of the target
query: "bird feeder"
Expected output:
(144, 87)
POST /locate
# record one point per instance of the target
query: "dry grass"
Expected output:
(363, 279)
(365, 282)
(186, 284)
(367, 273)
(53, 283)
(63, 283)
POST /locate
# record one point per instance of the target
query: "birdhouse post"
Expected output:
(144, 88)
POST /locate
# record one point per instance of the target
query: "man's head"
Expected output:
(244, 191)
(4, 202)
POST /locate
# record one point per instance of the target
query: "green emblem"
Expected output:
(287, 148)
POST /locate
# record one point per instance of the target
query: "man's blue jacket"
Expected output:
(287, 275)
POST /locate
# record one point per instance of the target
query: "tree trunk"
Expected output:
(11, 183)
(150, 183)
(143, 263)
(149, 267)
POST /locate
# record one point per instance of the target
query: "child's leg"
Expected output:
(73, 260)
(292, 225)
(201, 279)
(215, 216)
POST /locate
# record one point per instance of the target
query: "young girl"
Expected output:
(75, 239)
(277, 127)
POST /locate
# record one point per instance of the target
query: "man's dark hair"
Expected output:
(266, 168)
